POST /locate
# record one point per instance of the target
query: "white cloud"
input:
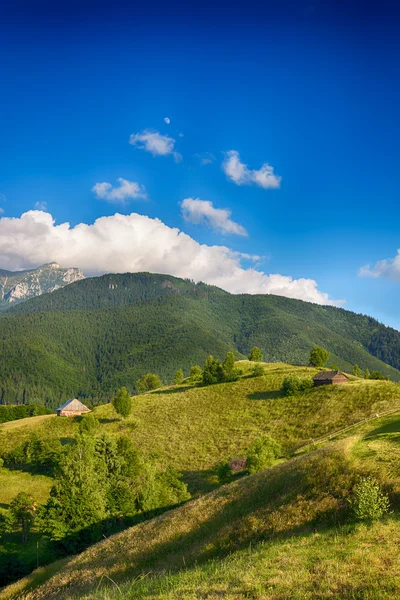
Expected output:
(134, 242)
(41, 206)
(206, 158)
(181, 134)
(155, 143)
(202, 211)
(240, 174)
(388, 268)
(167, 120)
(1, 210)
(122, 193)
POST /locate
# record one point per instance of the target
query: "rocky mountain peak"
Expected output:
(18, 286)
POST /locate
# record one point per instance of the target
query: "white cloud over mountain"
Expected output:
(134, 242)
(240, 174)
(155, 143)
(388, 268)
(126, 190)
(199, 212)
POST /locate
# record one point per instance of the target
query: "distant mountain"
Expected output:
(18, 286)
(95, 335)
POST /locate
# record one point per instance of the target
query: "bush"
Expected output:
(369, 502)
(258, 370)
(293, 385)
(195, 374)
(262, 454)
(148, 382)
(89, 424)
(377, 375)
(178, 377)
(318, 357)
(255, 354)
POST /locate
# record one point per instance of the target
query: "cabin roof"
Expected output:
(326, 375)
(73, 404)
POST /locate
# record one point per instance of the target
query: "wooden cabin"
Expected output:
(72, 408)
(330, 378)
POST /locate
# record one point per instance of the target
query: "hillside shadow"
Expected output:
(391, 427)
(200, 482)
(105, 420)
(3, 505)
(267, 395)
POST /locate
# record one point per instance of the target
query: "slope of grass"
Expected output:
(283, 533)
(193, 428)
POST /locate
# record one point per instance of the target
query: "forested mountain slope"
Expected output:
(95, 335)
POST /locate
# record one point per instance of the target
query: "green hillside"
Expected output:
(96, 335)
(286, 532)
(194, 429)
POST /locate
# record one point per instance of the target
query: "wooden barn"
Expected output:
(330, 378)
(72, 408)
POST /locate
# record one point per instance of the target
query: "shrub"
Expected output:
(258, 370)
(369, 502)
(255, 354)
(178, 377)
(148, 382)
(262, 454)
(89, 424)
(212, 372)
(196, 373)
(293, 385)
(318, 357)
(377, 375)
(357, 371)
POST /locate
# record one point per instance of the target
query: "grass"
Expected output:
(192, 428)
(282, 533)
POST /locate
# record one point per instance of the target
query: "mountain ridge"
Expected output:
(19, 286)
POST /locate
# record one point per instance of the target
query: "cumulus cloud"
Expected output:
(134, 242)
(41, 206)
(206, 158)
(155, 143)
(167, 120)
(240, 174)
(126, 190)
(199, 211)
(388, 268)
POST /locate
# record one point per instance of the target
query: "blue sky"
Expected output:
(310, 89)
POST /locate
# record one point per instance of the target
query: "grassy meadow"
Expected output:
(260, 525)
(282, 533)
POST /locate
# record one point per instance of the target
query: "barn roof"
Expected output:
(326, 375)
(73, 404)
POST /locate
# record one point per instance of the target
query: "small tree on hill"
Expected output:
(258, 370)
(357, 371)
(122, 402)
(21, 515)
(178, 377)
(367, 374)
(212, 372)
(255, 354)
(318, 357)
(229, 371)
(196, 373)
(148, 382)
(262, 454)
